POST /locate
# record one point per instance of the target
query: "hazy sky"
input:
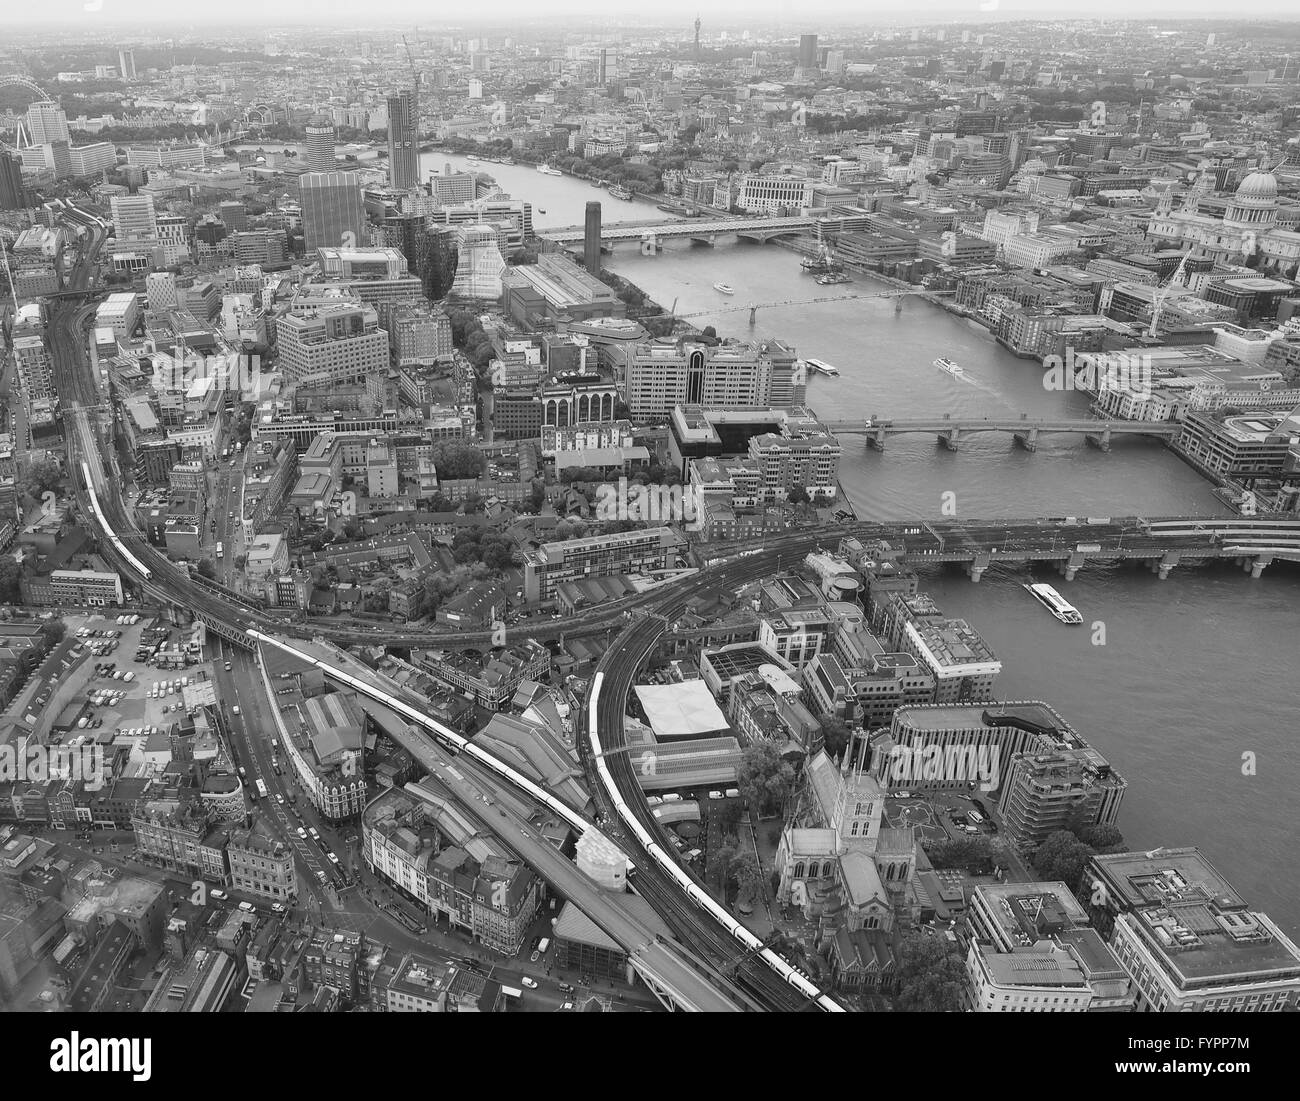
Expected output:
(716, 12)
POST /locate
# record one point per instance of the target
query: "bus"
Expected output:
(221, 549)
(261, 789)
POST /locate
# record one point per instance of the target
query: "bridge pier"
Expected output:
(1070, 566)
(753, 316)
(951, 439)
(876, 439)
(1099, 440)
(898, 304)
(977, 567)
(1027, 440)
(710, 240)
(1256, 565)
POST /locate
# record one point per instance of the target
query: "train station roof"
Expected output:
(685, 710)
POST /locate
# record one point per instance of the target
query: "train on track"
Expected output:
(121, 548)
(654, 851)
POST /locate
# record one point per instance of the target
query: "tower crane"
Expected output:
(1158, 302)
(415, 83)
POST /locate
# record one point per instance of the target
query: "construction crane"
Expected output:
(415, 85)
(1158, 302)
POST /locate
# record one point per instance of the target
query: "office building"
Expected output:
(1186, 937)
(1044, 792)
(774, 194)
(479, 263)
(126, 64)
(658, 378)
(332, 211)
(629, 552)
(134, 217)
(403, 142)
(13, 195)
(963, 665)
(89, 160)
(332, 344)
(320, 145)
(261, 865)
(47, 123)
(32, 361)
(807, 51)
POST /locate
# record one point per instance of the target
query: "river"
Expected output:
(1196, 670)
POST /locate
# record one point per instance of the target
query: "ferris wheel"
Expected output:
(22, 140)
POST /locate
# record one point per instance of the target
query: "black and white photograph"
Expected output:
(714, 507)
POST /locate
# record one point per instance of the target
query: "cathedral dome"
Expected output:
(1258, 187)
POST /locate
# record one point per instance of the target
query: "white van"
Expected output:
(672, 797)
(733, 793)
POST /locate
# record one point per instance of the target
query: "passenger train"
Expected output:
(703, 899)
(118, 545)
(576, 821)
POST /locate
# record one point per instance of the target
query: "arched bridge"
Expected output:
(1025, 431)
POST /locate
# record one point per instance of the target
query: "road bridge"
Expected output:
(1024, 430)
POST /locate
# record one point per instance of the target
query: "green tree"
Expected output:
(835, 735)
(1062, 856)
(207, 569)
(745, 874)
(931, 976)
(353, 529)
(765, 778)
(10, 575)
(1103, 838)
(53, 631)
(974, 854)
(798, 495)
(42, 477)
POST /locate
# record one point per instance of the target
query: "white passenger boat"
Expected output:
(1055, 603)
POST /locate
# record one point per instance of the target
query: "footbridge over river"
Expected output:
(1024, 430)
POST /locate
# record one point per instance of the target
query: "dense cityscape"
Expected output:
(490, 516)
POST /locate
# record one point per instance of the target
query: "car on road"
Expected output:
(247, 907)
(229, 666)
(536, 955)
(320, 876)
(536, 941)
(530, 983)
(315, 836)
(279, 798)
(235, 710)
(302, 833)
(277, 907)
(566, 1005)
(217, 893)
(333, 857)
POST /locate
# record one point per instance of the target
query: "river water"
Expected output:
(1195, 671)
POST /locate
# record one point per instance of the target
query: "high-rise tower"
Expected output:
(320, 145)
(403, 143)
